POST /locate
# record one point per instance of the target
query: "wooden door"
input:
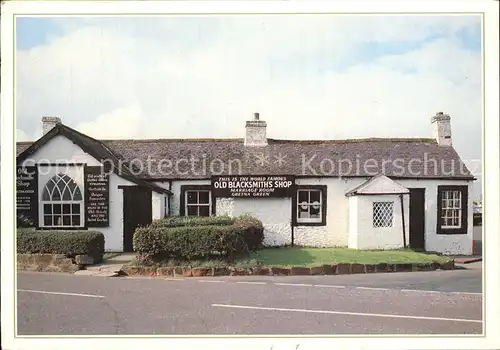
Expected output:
(417, 218)
(137, 211)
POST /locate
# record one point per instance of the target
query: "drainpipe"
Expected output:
(403, 219)
(291, 226)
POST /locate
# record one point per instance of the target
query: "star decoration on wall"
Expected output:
(261, 159)
(280, 159)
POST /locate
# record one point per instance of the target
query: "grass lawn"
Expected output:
(309, 257)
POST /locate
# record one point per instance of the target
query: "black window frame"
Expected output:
(464, 219)
(182, 199)
(323, 190)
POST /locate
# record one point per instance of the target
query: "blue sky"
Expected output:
(37, 31)
(348, 76)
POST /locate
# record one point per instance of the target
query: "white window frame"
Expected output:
(197, 204)
(377, 212)
(61, 202)
(449, 203)
(310, 204)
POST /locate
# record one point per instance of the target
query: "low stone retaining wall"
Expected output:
(339, 269)
(47, 263)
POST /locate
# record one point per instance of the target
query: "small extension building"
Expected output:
(377, 193)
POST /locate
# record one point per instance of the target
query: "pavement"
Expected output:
(435, 302)
(108, 268)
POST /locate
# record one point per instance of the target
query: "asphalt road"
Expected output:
(438, 302)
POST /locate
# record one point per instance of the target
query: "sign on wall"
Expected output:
(253, 186)
(96, 197)
(27, 196)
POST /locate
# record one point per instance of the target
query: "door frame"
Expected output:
(423, 190)
(126, 189)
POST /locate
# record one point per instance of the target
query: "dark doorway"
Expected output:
(417, 219)
(137, 212)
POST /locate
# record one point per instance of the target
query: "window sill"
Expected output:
(297, 224)
(451, 231)
(62, 228)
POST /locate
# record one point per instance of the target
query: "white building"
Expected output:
(362, 194)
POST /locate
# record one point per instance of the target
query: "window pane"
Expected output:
(61, 185)
(303, 213)
(75, 208)
(66, 208)
(314, 212)
(203, 197)
(66, 195)
(45, 194)
(58, 221)
(57, 208)
(77, 196)
(56, 195)
(204, 210)
(192, 197)
(47, 208)
(303, 196)
(47, 220)
(66, 220)
(314, 196)
(192, 210)
(383, 214)
(76, 220)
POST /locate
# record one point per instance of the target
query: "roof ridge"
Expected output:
(174, 140)
(369, 139)
(272, 140)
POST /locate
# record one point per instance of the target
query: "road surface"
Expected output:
(437, 302)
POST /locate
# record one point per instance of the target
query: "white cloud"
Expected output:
(204, 78)
(120, 123)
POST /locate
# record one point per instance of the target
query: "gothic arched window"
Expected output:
(62, 202)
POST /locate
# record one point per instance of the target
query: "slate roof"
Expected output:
(96, 148)
(379, 184)
(395, 158)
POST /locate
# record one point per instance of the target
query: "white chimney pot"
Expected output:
(255, 132)
(48, 123)
(441, 129)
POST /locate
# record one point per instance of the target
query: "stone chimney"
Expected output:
(441, 129)
(255, 132)
(49, 122)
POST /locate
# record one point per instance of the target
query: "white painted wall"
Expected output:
(353, 222)
(176, 190)
(61, 150)
(275, 214)
(446, 244)
(364, 236)
(335, 233)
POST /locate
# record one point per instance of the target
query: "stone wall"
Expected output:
(47, 263)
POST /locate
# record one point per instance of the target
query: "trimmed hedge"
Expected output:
(178, 221)
(71, 243)
(253, 231)
(190, 238)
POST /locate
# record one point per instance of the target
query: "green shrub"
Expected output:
(178, 221)
(71, 243)
(189, 242)
(253, 231)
